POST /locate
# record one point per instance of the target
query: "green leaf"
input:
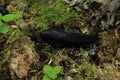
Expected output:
(52, 74)
(8, 17)
(45, 77)
(0, 15)
(1, 23)
(57, 69)
(4, 29)
(47, 69)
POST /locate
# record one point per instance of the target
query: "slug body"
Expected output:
(59, 37)
(3, 11)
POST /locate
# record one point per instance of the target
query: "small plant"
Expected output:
(51, 72)
(6, 18)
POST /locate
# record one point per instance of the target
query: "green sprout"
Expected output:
(6, 18)
(51, 72)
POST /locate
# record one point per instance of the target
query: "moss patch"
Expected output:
(57, 12)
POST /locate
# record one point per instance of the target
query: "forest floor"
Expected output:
(23, 54)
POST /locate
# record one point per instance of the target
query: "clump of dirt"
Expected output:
(108, 46)
(23, 54)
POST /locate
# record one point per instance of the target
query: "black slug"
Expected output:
(3, 11)
(59, 37)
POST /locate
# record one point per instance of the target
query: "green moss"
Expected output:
(13, 35)
(86, 70)
(55, 12)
